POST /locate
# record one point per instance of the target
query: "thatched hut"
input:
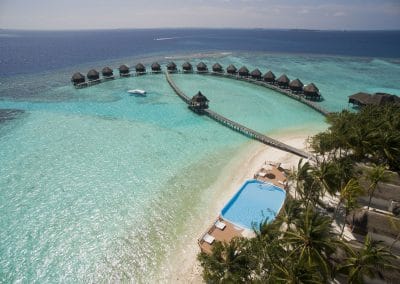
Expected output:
(231, 69)
(283, 81)
(383, 98)
(93, 75)
(198, 102)
(217, 68)
(269, 77)
(296, 86)
(311, 92)
(360, 99)
(78, 78)
(155, 67)
(202, 67)
(187, 67)
(256, 74)
(123, 70)
(243, 72)
(171, 67)
(107, 72)
(140, 68)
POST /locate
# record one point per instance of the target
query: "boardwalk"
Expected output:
(240, 128)
(285, 92)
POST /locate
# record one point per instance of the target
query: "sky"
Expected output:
(113, 14)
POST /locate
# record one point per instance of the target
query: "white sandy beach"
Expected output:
(183, 267)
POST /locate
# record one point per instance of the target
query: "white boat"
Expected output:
(137, 92)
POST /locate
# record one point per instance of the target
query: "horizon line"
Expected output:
(200, 28)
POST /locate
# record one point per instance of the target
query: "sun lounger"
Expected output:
(208, 238)
(220, 225)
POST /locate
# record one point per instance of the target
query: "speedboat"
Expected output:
(137, 92)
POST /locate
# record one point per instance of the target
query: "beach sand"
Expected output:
(183, 266)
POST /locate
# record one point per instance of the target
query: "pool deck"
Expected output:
(270, 173)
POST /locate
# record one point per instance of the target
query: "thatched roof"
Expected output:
(155, 66)
(202, 67)
(383, 98)
(378, 99)
(311, 89)
(243, 71)
(283, 80)
(107, 71)
(296, 85)
(256, 73)
(93, 74)
(78, 78)
(171, 66)
(140, 67)
(217, 67)
(231, 69)
(187, 66)
(269, 76)
(199, 98)
(369, 221)
(123, 69)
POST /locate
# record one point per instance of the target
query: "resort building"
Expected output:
(155, 67)
(202, 67)
(311, 92)
(171, 67)
(256, 74)
(107, 72)
(243, 72)
(198, 103)
(269, 77)
(123, 70)
(78, 78)
(296, 86)
(231, 69)
(140, 68)
(283, 81)
(93, 75)
(362, 99)
(187, 67)
(217, 68)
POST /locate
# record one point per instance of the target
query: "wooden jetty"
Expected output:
(238, 127)
(275, 88)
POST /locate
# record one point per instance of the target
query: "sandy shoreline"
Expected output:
(184, 268)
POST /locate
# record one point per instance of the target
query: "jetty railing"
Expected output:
(275, 88)
(241, 128)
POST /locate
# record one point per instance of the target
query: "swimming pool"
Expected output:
(255, 202)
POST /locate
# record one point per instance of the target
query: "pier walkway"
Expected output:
(285, 92)
(240, 128)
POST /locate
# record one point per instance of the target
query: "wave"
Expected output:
(165, 38)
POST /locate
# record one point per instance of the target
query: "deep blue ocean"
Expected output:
(24, 52)
(97, 186)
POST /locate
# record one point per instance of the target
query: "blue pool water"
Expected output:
(254, 203)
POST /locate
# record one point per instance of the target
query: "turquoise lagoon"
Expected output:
(99, 186)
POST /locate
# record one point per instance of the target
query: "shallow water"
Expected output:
(97, 185)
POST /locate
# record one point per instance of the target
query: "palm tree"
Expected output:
(369, 261)
(374, 176)
(312, 241)
(293, 271)
(299, 175)
(228, 262)
(348, 195)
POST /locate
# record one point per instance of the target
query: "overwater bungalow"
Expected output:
(243, 72)
(93, 75)
(123, 70)
(140, 68)
(283, 81)
(231, 69)
(199, 102)
(187, 67)
(362, 99)
(155, 67)
(171, 67)
(202, 67)
(296, 86)
(269, 77)
(107, 72)
(78, 78)
(311, 92)
(217, 68)
(256, 74)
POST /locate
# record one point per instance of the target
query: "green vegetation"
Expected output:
(301, 245)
